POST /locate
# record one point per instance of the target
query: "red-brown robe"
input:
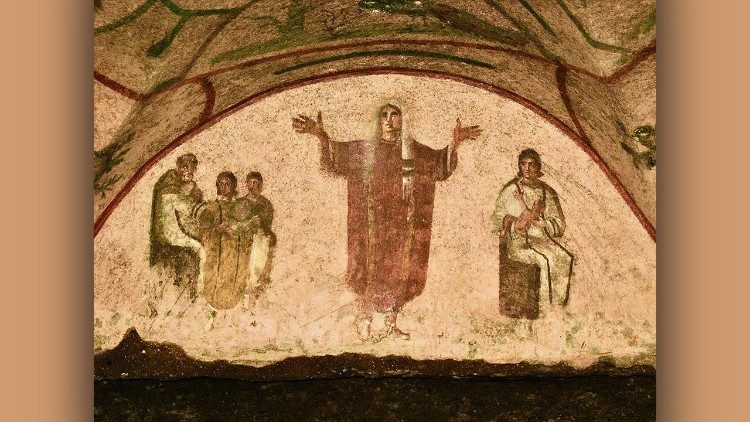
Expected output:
(388, 236)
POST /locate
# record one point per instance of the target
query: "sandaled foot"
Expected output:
(392, 329)
(400, 334)
(211, 319)
(363, 328)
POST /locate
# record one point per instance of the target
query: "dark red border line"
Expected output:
(376, 71)
(116, 86)
(561, 75)
(208, 107)
(641, 56)
(374, 43)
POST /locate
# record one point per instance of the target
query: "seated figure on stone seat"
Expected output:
(175, 194)
(530, 220)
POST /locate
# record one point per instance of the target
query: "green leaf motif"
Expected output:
(646, 24)
(105, 160)
(158, 48)
(404, 53)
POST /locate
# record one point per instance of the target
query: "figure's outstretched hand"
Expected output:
(461, 133)
(305, 124)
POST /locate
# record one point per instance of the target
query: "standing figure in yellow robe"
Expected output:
(227, 236)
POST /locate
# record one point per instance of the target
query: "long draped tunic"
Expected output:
(539, 243)
(227, 253)
(169, 245)
(263, 241)
(388, 236)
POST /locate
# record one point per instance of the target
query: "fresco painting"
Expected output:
(391, 188)
(381, 214)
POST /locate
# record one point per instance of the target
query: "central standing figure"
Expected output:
(391, 191)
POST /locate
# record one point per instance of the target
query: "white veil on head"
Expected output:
(406, 138)
(406, 142)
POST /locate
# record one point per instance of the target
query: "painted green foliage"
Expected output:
(185, 15)
(339, 22)
(105, 160)
(130, 17)
(539, 18)
(402, 7)
(295, 18)
(402, 53)
(291, 33)
(457, 19)
(646, 24)
(589, 39)
(643, 150)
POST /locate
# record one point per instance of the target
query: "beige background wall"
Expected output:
(308, 308)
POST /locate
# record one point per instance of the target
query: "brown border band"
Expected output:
(561, 75)
(135, 358)
(641, 56)
(118, 87)
(202, 125)
(208, 108)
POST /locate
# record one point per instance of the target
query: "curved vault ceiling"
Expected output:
(165, 70)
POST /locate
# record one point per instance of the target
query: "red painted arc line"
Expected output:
(202, 125)
(561, 75)
(208, 107)
(638, 59)
(118, 87)
(642, 55)
(373, 43)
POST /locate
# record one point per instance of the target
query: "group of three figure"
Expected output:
(221, 249)
(391, 191)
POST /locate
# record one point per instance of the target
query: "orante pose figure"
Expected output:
(529, 216)
(391, 191)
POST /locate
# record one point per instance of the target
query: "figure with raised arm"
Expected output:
(391, 191)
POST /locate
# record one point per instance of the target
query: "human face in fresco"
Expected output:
(254, 186)
(390, 123)
(186, 171)
(224, 186)
(529, 168)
